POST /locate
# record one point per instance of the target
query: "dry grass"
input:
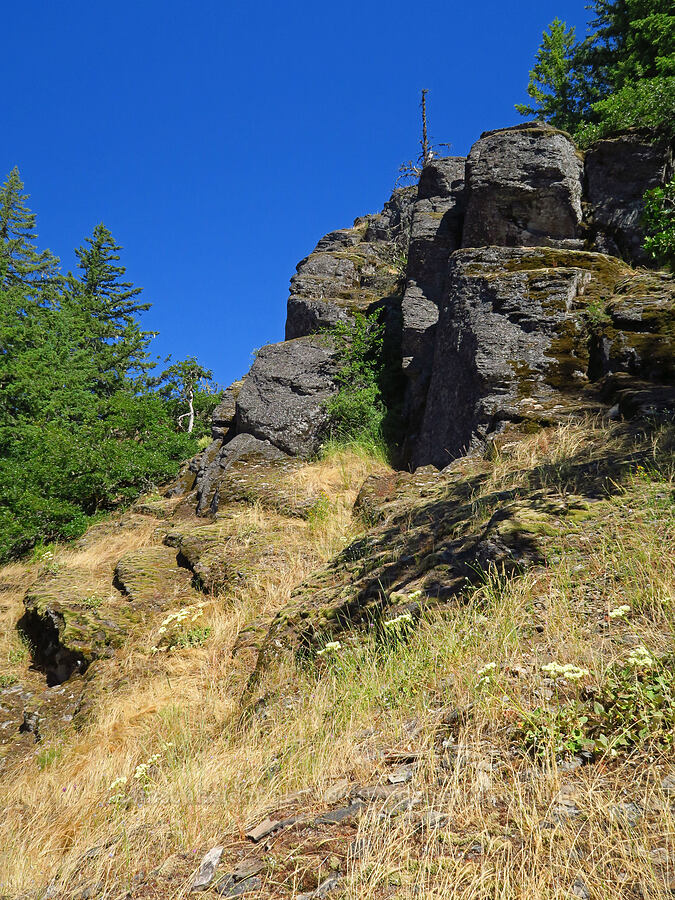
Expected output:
(217, 774)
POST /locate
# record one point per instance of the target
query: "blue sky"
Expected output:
(219, 141)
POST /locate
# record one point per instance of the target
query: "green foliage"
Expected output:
(357, 410)
(190, 393)
(48, 756)
(551, 85)
(7, 681)
(83, 427)
(620, 76)
(659, 219)
(643, 104)
(634, 706)
(196, 636)
(556, 731)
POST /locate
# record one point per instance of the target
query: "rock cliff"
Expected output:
(506, 286)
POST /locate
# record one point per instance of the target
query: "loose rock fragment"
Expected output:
(207, 869)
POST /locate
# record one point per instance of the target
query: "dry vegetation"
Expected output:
(506, 823)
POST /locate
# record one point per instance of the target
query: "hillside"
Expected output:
(443, 673)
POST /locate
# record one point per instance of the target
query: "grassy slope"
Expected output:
(513, 827)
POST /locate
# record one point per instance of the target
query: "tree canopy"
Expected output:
(84, 423)
(621, 75)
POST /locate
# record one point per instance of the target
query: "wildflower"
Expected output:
(331, 647)
(567, 672)
(640, 658)
(399, 620)
(487, 669)
(118, 782)
(619, 613)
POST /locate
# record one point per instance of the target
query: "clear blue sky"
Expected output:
(219, 140)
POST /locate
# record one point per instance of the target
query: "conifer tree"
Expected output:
(20, 261)
(109, 310)
(551, 83)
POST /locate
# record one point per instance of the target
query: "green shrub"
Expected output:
(659, 220)
(357, 411)
(649, 103)
(634, 706)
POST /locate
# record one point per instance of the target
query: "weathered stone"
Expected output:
(618, 172)
(68, 627)
(223, 417)
(511, 344)
(283, 397)
(207, 869)
(230, 888)
(636, 329)
(150, 577)
(262, 830)
(329, 884)
(351, 270)
(436, 231)
(524, 189)
(337, 816)
(245, 450)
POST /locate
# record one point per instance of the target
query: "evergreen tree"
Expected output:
(82, 426)
(622, 75)
(552, 81)
(20, 261)
(109, 311)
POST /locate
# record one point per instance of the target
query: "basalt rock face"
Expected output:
(436, 232)
(350, 270)
(511, 344)
(504, 285)
(282, 398)
(524, 189)
(618, 172)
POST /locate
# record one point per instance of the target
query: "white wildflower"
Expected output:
(619, 613)
(640, 658)
(331, 647)
(399, 620)
(118, 782)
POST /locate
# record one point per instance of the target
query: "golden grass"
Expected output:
(218, 773)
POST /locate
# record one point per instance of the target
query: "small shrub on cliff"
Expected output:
(357, 410)
(659, 218)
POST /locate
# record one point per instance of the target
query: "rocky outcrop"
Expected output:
(436, 232)
(483, 329)
(215, 463)
(225, 414)
(511, 344)
(618, 172)
(351, 270)
(67, 628)
(282, 399)
(524, 189)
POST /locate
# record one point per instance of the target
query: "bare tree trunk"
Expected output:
(426, 149)
(191, 420)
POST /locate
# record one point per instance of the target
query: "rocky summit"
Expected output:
(499, 278)
(303, 670)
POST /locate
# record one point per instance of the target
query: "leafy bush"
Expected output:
(634, 706)
(659, 219)
(644, 104)
(357, 411)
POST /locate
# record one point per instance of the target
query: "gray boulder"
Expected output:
(225, 413)
(219, 458)
(511, 345)
(283, 397)
(618, 172)
(524, 189)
